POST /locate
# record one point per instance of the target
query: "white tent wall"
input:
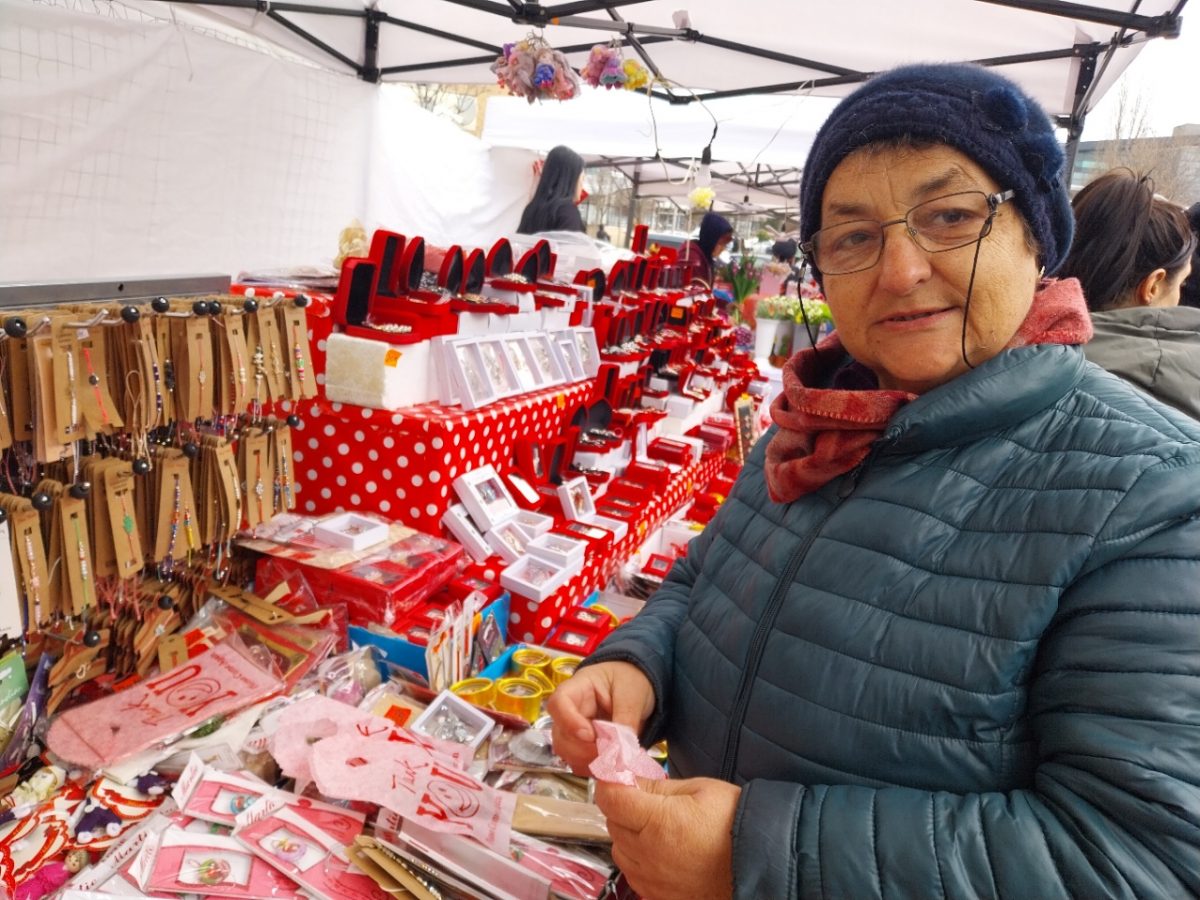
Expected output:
(429, 177)
(135, 146)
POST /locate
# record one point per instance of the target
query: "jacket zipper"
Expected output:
(758, 642)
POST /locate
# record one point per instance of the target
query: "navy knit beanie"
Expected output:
(970, 108)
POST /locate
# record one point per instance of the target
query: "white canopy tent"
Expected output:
(758, 142)
(150, 136)
(1065, 54)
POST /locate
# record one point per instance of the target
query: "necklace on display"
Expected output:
(84, 574)
(128, 524)
(33, 584)
(71, 388)
(299, 354)
(259, 488)
(94, 381)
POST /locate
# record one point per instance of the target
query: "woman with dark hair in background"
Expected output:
(698, 257)
(1132, 252)
(553, 207)
(1189, 293)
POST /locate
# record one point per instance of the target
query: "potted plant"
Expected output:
(773, 328)
(819, 322)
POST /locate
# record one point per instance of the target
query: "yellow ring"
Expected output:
(519, 696)
(564, 667)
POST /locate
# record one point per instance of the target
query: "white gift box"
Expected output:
(558, 549)
(485, 496)
(535, 578)
(458, 522)
(534, 523)
(351, 531)
(509, 540)
(477, 723)
(680, 407)
(576, 499)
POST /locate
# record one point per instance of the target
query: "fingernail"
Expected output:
(584, 734)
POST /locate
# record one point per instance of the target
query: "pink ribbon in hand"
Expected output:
(620, 758)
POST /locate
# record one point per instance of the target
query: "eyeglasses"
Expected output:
(944, 223)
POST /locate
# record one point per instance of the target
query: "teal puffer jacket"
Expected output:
(970, 668)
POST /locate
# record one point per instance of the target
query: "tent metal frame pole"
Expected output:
(1166, 25)
(315, 41)
(370, 66)
(633, 199)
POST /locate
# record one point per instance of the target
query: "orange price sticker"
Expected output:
(560, 400)
(391, 358)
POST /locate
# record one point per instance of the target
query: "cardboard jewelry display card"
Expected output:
(68, 383)
(271, 344)
(295, 328)
(11, 625)
(230, 484)
(257, 477)
(164, 349)
(76, 559)
(20, 419)
(46, 444)
(30, 553)
(122, 522)
(281, 465)
(96, 401)
(177, 533)
(239, 356)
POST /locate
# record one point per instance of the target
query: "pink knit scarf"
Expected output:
(826, 432)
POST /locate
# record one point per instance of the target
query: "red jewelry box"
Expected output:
(577, 639)
(674, 452)
(648, 471)
(595, 535)
(462, 587)
(657, 566)
(585, 617)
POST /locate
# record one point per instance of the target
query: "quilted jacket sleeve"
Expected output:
(1114, 703)
(648, 641)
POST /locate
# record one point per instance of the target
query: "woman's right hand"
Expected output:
(616, 691)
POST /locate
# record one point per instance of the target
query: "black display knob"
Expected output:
(141, 466)
(293, 420)
(41, 501)
(93, 379)
(250, 304)
(191, 450)
(80, 489)
(160, 304)
(302, 300)
(130, 314)
(91, 638)
(200, 307)
(15, 327)
(165, 602)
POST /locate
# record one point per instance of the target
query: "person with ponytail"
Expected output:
(1132, 253)
(940, 640)
(554, 206)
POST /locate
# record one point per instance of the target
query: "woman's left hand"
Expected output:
(673, 839)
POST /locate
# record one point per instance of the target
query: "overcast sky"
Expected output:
(1167, 73)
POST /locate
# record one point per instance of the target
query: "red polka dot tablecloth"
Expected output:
(401, 464)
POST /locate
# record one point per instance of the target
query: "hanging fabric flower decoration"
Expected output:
(607, 67)
(534, 70)
(702, 198)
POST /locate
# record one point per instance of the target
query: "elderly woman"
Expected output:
(941, 641)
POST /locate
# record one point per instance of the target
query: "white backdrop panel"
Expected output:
(131, 147)
(429, 177)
